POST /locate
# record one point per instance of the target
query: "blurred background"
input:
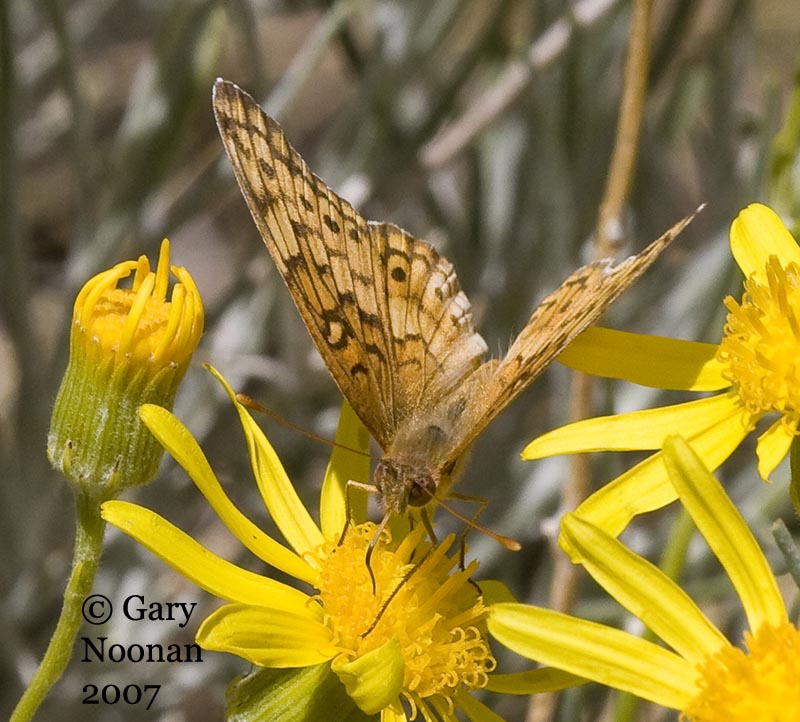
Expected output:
(482, 126)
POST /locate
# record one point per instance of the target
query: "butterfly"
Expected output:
(388, 315)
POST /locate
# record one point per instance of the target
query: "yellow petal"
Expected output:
(727, 534)
(183, 447)
(635, 430)
(644, 590)
(198, 564)
(772, 447)
(596, 652)
(265, 637)
(350, 461)
(373, 680)
(646, 486)
(758, 233)
(533, 681)
(663, 363)
(475, 710)
(280, 497)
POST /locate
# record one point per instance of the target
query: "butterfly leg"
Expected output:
(371, 548)
(482, 503)
(348, 506)
(426, 522)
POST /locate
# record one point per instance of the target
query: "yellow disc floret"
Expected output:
(760, 685)
(761, 345)
(434, 613)
(139, 324)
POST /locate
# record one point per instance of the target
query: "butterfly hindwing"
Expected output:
(435, 342)
(578, 302)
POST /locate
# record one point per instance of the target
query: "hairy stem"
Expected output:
(85, 560)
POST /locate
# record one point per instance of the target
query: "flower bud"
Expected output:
(128, 347)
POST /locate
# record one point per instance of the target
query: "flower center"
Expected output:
(110, 317)
(760, 686)
(434, 613)
(139, 324)
(761, 345)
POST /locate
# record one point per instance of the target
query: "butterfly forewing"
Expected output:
(387, 313)
(384, 309)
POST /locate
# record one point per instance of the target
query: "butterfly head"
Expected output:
(402, 485)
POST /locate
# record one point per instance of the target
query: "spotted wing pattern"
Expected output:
(384, 309)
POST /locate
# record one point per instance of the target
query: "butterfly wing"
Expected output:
(434, 341)
(575, 304)
(384, 309)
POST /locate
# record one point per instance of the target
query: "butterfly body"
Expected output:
(421, 464)
(388, 315)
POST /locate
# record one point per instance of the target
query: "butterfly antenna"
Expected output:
(253, 405)
(511, 544)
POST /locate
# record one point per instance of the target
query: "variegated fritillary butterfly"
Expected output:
(388, 315)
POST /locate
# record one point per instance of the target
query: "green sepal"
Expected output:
(96, 438)
(309, 694)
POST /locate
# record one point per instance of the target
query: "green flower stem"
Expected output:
(786, 544)
(88, 546)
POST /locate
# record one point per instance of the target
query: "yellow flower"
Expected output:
(698, 672)
(412, 646)
(128, 346)
(754, 367)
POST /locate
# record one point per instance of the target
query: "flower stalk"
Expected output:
(127, 347)
(85, 560)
